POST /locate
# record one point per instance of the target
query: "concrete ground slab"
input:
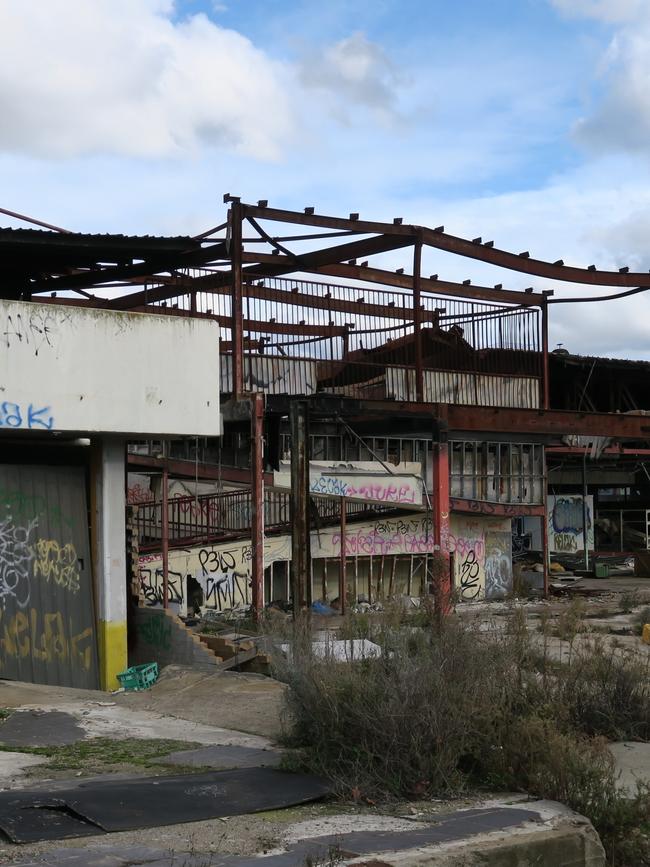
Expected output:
(223, 757)
(14, 765)
(633, 764)
(99, 715)
(39, 728)
(495, 834)
(248, 703)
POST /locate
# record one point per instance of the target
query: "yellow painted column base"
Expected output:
(113, 654)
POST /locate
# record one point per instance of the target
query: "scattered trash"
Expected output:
(139, 676)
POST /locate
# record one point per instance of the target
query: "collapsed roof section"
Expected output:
(363, 331)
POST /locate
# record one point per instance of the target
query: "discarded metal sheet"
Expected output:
(33, 816)
(130, 804)
(126, 805)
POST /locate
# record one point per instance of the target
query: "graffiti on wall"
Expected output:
(498, 564)
(157, 631)
(480, 544)
(409, 535)
(47, 630)
(482, 556)
(566, 523)
(16, 556)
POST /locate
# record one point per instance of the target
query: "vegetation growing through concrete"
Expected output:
(451, 708)
(101, 755)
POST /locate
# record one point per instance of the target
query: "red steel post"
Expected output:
(236, 251)
(546, 400)
(441, 506)
(257, 501)
(164, 520)
(417, 320)
(343, 563)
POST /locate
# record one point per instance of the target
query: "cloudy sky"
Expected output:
(525, 121)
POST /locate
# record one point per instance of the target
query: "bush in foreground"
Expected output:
(449, 708)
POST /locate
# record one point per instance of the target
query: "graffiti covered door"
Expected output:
(47, 624)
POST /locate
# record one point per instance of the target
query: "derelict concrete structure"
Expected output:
(422, 416)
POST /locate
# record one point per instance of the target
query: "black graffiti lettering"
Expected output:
(215, 561)
(469, 576)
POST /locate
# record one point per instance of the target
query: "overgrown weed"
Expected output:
(453, 706)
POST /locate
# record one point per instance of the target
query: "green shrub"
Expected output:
(455, 706)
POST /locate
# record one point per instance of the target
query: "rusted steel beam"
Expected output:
(300, 536)
(546, 376)
(526, 265)
(237, 306)
(343, 589)
(149, 268)
(436, 287)
(165, 536)
(506, 510)
(441, 508)
(405, 281)
(461, 246)
(546, 422)
(417, 320)
(277, 266)
(257, 502)
(279, 215)
(342, 305)
(180, 469)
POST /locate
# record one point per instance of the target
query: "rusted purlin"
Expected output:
(368, 274)
(343, 584)
(165, 536)
(300, 538)
(236, 250)
(417, 319)
(463, 247)
(257, 501)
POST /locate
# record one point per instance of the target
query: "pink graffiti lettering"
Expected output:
(383, 493)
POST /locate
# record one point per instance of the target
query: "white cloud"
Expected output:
(604, 10)
(621, 119)
(356, 72)
(124, 77)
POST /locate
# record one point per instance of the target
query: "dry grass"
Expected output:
(451, 707)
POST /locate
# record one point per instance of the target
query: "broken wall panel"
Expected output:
(463, 387)
(272, 374)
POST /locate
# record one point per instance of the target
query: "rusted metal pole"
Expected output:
(257, 501)
(236, 250)
(544, 520)
(441, 507)
(546, 398)
(164, 520)
(417, 319)
(343, 563)
(300, 539)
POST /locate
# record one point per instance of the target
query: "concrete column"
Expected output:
(109, 557)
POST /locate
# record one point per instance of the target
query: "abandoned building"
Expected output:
(260, 415)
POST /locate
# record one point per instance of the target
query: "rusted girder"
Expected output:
(461, 246)
(405, 281)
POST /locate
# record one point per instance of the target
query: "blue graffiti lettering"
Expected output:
(11, 415)
(34, 417)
